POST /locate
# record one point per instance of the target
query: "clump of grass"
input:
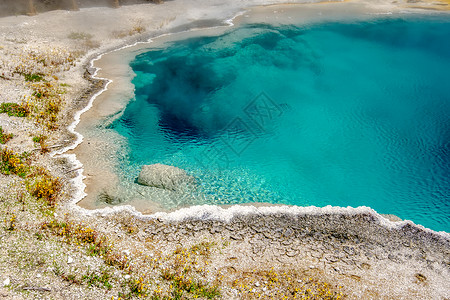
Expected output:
(44, 61)
(137, 28)
(33, 77)
(99, 279)
(41, 140)
(115, 259)
(46, 102)
(4, 137)
(182, 284)
(80, 235)
(80, 36)
(203, 248)
(88, 42)
(11, 223)
(71, 278)
(13, 163)
(91, 44)
(137, 288)
(15, 110)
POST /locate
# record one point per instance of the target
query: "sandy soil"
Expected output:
(250, 253)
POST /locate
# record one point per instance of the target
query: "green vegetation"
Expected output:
(15, 110)
(41, 140)
(4, 137)
(10, 223)
(45, 187)
(33, 77)
(101, 280)
(39, 183)
(46, 102)
(13, 164)
(182, 285)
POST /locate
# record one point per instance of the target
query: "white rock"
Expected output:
(38, 275)
(6, 282)
(69, 260)
(127, 276)
(164, 176)
(257, 284)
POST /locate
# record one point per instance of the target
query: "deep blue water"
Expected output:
(343, 114)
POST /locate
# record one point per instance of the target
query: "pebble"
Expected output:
(257, 284)
(6, 282)
(69, 260)
(127, 276)
(38, 275)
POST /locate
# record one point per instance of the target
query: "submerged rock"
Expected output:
(165, 177)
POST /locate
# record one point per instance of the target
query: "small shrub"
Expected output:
(4, 137)
(38, 138)
(46, 188)
(13, 163)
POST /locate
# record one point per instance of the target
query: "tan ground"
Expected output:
(62, 252)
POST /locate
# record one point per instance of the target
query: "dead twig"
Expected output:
(73, 170)
(51, 147)
(36, 288)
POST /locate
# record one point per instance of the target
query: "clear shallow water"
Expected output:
(344, 114)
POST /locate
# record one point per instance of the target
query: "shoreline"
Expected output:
(140, 46)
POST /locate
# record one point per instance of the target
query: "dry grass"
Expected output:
(4, 137)
(137, 28)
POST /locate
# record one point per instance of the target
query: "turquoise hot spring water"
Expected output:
(350, 113)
